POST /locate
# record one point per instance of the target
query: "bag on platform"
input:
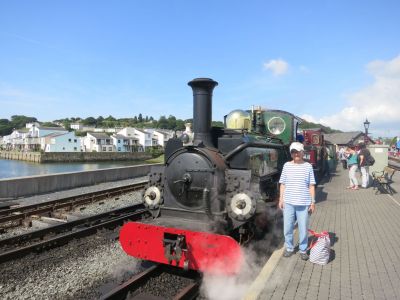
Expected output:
(320, 248)
(370, 160)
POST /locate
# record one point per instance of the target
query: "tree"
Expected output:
(19, 121)
(162, 123)
(217, 124)
(99, 121)
(5, 127)
(171, 122)
(90, 121)
(140, 118)
(180, 125)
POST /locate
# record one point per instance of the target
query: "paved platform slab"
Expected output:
(365, 254)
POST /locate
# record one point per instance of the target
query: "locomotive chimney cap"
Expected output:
(208, 82)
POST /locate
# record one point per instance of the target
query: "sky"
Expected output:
(332, 62)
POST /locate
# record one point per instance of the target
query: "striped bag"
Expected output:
(320, 248)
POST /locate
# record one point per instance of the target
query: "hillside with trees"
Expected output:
(309, 125)
(139, 121)
(16, 122)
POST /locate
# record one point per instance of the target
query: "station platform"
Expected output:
(365, 256)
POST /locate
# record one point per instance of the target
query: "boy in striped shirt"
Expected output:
(297, 199)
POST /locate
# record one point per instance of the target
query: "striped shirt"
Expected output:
(297, 179)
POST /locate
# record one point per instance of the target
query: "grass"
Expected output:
(156, 160)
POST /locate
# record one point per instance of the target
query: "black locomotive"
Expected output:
(216, 193)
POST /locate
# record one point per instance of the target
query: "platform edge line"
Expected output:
(259, 283)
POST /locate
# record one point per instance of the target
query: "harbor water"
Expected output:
(17, 168)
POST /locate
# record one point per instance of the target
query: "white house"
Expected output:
(15, 140)
(124, 143)
(32, 140)
(61, 142)
(97, 142)
(76, 126)
(144, 138)
(160, 137)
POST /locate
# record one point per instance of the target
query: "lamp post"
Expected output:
(366, 126)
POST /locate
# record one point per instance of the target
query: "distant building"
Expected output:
(97, 142)
(160, 137)
(352, 138)
(32, 139)
(124, 143)
(33, 124)
(76, 126)
(144, 139)
(61, 142)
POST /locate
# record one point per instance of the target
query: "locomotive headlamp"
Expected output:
(241, 207)
(152, 197)
(276, 125)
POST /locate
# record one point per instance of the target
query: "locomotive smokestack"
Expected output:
(202, 105)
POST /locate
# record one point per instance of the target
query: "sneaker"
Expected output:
(304, 256)
(287, 253)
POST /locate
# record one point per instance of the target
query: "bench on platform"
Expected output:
(383, 179)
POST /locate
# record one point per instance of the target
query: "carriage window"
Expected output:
(315, 139)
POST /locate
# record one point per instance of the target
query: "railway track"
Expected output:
(17, 215)
(39, 240)
(135, 288)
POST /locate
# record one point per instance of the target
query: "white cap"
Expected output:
(296, 146)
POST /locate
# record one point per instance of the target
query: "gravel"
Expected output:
(166, 286)
(82, 269)
(81, 211)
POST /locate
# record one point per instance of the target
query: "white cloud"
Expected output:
(379, 102)
(277, 66)
(309, 118)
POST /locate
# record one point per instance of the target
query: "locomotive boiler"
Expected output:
(217, 192)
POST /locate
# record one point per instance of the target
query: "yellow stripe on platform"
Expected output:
(259, 284)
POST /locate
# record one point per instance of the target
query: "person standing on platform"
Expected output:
(352, 165)
(364, 167)
(342, 157)
(297, 199)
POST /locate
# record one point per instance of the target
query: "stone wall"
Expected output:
(40, 184)
(74, 156)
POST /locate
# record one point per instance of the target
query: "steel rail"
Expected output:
(65, 238)
(68, 226)
(133, 283)
(22, 212)
(191, 291)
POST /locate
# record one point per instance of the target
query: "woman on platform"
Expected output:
(352, 165)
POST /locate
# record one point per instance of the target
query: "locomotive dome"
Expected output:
(238, 119)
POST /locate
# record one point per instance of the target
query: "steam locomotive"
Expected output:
(216, 193)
